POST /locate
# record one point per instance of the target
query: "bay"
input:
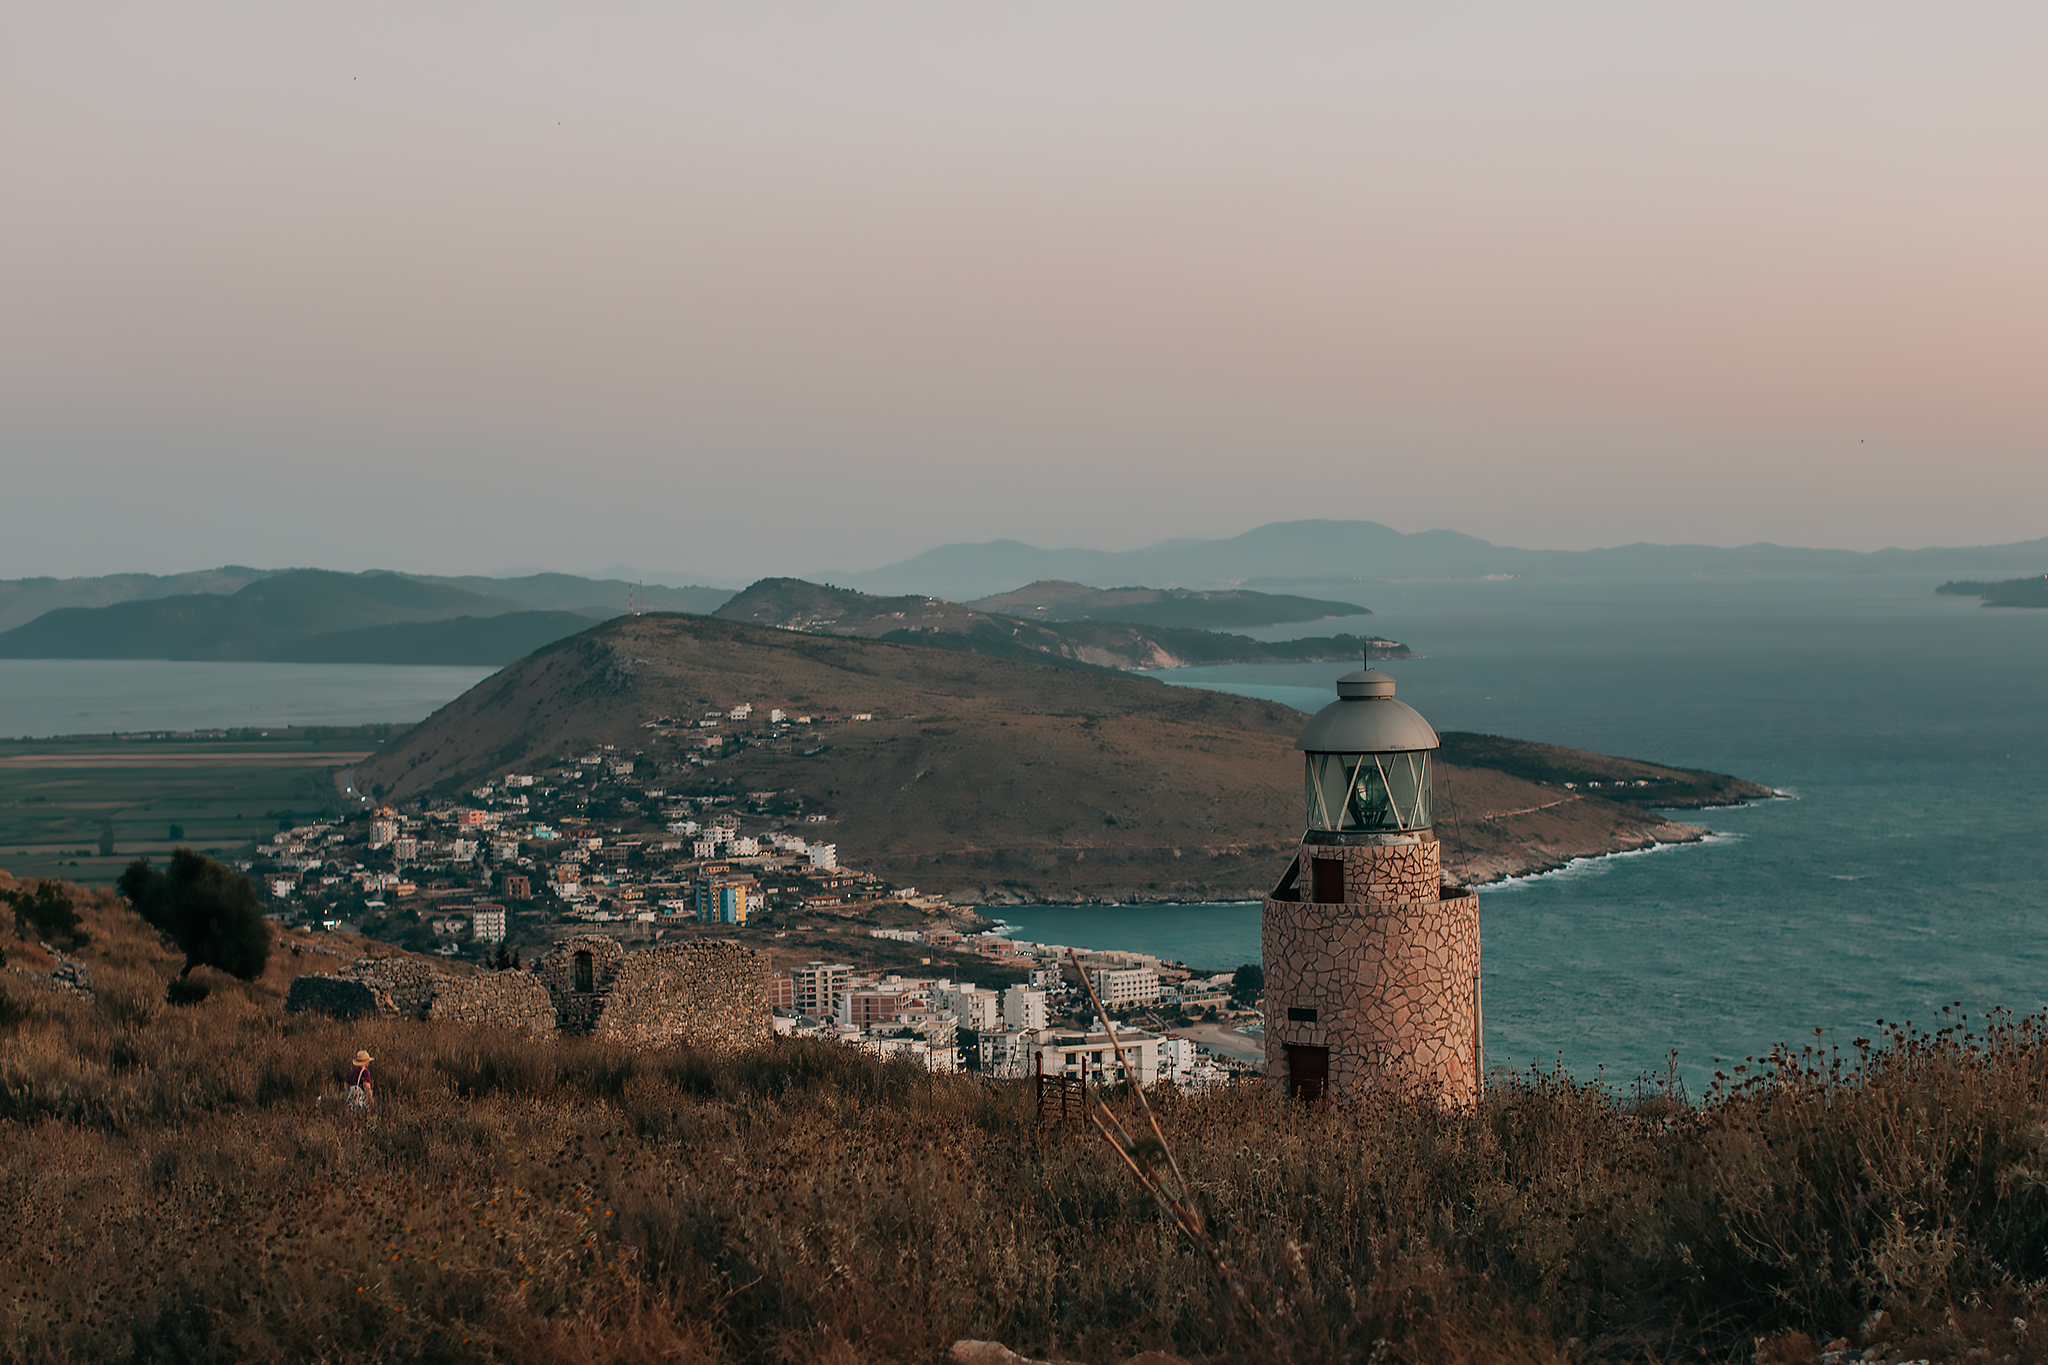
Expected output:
(44, 697)
(1908, 872)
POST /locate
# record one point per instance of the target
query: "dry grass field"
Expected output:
(180, 1184)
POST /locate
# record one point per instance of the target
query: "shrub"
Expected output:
(46, 912)
(207, 910)
(183, 990)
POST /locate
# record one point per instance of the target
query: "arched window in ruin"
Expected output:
(586, 973)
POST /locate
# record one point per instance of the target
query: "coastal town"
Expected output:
(651, 846)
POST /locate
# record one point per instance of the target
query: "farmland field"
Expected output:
(83, 807)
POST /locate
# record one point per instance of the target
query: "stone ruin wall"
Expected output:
(577, 1011)
(1392, 978)
(704, 995)
(712, 996)
(508, 1000)
(398, 988)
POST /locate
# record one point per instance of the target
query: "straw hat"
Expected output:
(364, 1058)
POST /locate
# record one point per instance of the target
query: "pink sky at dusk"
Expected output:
(724, 291)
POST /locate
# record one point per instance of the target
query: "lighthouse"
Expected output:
(1372, 963)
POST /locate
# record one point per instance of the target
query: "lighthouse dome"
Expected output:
(1365, 719)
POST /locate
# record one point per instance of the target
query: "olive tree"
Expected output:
(206, 910)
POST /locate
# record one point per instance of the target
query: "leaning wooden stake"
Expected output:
(1153, 1163)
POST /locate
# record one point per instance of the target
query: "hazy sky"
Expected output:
(726, 290)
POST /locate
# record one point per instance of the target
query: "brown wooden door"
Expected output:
(1329, 880)
(1308, 1070)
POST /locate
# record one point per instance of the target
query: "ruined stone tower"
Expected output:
(1372, 964)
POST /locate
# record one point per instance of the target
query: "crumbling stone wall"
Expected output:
(342, 997)
(508, 1000)
(576, 1009)
(704, 995)
(406, 984)
(69, 977)
(403, 988)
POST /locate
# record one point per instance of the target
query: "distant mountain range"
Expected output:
(318, 616)
(1283, 554)
(792, 604)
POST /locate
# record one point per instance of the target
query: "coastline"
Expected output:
(1525, 863)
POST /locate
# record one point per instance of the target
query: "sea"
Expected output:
(44, 697)
(1904, 871)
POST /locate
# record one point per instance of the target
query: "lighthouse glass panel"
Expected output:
(1368, 793)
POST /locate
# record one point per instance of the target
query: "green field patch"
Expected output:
(82, 807)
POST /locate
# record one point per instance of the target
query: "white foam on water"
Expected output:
(1597, 864)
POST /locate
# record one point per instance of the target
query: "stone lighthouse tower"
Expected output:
(1372, 964)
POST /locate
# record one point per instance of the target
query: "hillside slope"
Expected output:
(1178, 608)
(242, 613)
(265, 619)
(792, 604)
(1002, 780)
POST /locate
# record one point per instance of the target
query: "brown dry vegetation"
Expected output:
(178, 1184)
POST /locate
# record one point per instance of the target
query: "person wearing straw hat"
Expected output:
(356, 1080)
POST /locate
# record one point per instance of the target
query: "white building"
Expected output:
(1023, 1008)
(1119, 986)
(405, 848)
(488, 924)
(382, 832)
(746, 848)
(1060, 1052)
(1177, 1057)
(975, 1008)
(824, 857)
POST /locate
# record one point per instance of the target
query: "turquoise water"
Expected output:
(42, 697)
(1911, 870)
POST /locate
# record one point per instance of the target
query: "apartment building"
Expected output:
(1120, 986)
(816, 986)
(1023, 1008)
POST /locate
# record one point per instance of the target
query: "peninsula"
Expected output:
(993, 780)
(1097, 641)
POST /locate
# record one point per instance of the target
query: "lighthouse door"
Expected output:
(1307, 1070)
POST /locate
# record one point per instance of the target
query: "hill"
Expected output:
(470, 640)
(266, 619)
(2012, 592)
(24, 599)
(1323, 550)
(319, 597)
(997, 779)
(792, 604)
(1182, 608)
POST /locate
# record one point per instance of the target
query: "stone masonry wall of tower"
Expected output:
(1384, 979)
